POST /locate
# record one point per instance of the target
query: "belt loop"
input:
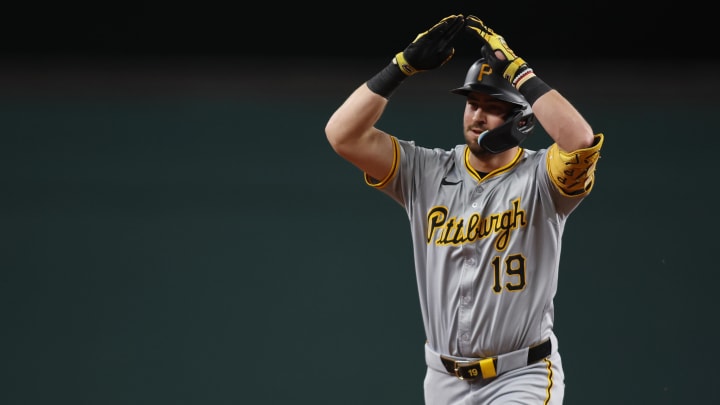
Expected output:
(487, 367)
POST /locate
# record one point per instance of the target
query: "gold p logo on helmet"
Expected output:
(482, 79)
(485, 69)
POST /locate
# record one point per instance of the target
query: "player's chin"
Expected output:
(475, 148)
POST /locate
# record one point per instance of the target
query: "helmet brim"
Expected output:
(490, 91)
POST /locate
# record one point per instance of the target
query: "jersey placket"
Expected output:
(465, 303)
(466, 320)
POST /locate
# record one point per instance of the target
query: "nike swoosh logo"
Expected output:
(446, 182)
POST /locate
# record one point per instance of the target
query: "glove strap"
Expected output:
(403, 64)
(386, 81)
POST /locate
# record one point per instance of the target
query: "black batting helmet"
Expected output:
(519, 123)
(479, 78)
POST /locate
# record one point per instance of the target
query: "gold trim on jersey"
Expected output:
(573, 173)
(393, 169)
(495, 172)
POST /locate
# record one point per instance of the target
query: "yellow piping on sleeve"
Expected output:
(393, 169)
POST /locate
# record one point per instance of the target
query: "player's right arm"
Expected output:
(353, 136)
(351, 129)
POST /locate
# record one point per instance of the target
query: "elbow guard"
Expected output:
(573, 173)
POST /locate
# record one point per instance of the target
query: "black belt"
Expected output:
(486, 367)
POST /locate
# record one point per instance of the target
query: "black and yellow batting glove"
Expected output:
(430, 49)
(513, 68)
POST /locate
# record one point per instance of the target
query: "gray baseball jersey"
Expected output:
(486, 249)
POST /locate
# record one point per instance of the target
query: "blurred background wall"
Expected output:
(175, 229)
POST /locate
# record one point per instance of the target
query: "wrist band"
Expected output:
(386, 81)
(532, 88)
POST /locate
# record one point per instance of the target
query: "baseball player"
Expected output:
(486, 216)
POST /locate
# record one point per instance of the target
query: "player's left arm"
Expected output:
(572, 159)
(573, 156)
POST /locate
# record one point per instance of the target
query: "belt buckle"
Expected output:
(457, 371)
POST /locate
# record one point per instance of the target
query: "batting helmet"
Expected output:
(519, 123)
(480, 79)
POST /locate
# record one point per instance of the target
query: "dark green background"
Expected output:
(182, 233)
(175, 229)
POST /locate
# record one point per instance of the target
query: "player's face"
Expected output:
(482, 112)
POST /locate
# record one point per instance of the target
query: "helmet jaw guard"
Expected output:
(511, 133)
(520, 121)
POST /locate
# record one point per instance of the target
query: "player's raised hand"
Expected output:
(513, 68)
(432, 48)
